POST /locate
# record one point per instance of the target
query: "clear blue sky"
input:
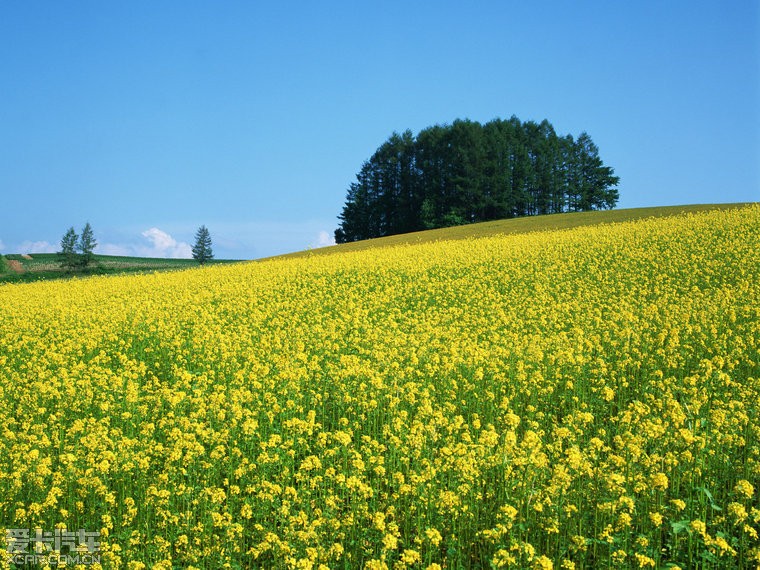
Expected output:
(148, 119)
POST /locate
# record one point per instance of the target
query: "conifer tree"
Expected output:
(86, 245)
(202, 248)
(68, 255)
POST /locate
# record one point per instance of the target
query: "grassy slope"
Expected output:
(515, 226)
(43, 266)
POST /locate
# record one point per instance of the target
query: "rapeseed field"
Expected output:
(584, 398)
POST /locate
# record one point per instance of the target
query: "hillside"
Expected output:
(516, 226)
(577, 398)
(44, 266)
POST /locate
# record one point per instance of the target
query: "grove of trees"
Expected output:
(470, 172)
(77, 251)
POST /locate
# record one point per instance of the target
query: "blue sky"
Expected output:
(148, 119)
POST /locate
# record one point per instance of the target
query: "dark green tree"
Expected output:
(596, 188)
(202, 248)
(356, 219)
(67, 256)
(430, 161)
(467, 172)
(86, 246)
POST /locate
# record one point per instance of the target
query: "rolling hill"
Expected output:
(516, 226)
(573, 398)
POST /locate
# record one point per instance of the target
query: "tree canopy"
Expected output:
(470, 172)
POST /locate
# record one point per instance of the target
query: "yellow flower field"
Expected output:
(585, 398)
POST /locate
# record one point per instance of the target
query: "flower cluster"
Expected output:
(568, 399)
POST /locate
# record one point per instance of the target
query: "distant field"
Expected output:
(42, 266)
(516, 226)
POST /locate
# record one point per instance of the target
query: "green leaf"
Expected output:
(707, 493)
(710, 498)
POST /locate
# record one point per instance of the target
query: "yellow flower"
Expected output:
(723, 546)
(643, 561)
(744, 488)
(578, 543)
(390, 542)
(378, 519)
(502, 558)
(433, 536)
(659, 482)
(410, 556)
(698, 526)
(624, 521)
(678, 504)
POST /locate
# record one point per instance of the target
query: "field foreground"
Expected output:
(584, 398)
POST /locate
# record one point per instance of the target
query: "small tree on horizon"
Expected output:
(68, 255)
(86, 245)
(202, 248)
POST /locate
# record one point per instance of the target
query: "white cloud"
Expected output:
(324, 239)
(36, 247)
(2, 245)
(154, 243)
(163, 245)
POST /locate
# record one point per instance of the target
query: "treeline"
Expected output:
(467, 172)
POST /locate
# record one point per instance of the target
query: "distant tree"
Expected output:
(68, 255)
(202, 248)
(86, 246)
